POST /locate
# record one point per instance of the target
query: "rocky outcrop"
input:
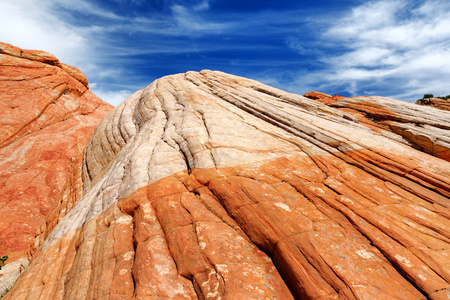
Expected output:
(47, 115)
(439, 103)
(211, 186)
(322, 97)
(421, 127)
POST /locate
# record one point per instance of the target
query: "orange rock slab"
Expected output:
(322, 97)
(47, 115)
(250, 233)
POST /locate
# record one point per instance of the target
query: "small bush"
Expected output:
(6, 292)
(2, 260)
(423, 102)
(445, 98)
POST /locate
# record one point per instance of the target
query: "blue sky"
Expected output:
(395, 48)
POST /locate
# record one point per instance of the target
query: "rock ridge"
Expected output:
(43, 57)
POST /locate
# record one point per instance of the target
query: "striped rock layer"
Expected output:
(211, 186)
(47, 115)
(416, 126)
(439, 103)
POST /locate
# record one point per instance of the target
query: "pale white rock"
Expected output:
(426, 128)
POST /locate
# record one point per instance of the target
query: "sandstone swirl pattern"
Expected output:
(211, 186)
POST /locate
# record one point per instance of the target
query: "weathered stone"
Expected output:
(211, 186)
(322, 97)
(425, 128)
(435, 102)
(47, 116)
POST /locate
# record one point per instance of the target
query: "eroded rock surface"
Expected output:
(436, 102)
(322, 97)
(211, 186)
(425, 128)
(47, 115)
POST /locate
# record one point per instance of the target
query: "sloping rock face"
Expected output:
(47, 115)
(322, 97)
(436, 102)
(421, 127)
(210, 186)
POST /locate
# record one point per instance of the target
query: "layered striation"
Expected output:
(211, 186)
(439, 103)
(421, 127)
(47, 115)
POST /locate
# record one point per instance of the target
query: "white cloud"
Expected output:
(296, 45)
(112, 97)
(190, 23)
(204, 5)
(50, 25)
(55, 26)
(395, 48)
(32, 25)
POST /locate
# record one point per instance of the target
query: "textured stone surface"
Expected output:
(322, 97)
(210, 186)
(436, 102)
(422, 127)
(47, 116)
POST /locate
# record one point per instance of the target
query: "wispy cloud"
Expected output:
(114, 97)
(202, 6)
(395, 44)
(189, 22)
(101, 47)
(296, 45)
(398, 48)
(31, 24)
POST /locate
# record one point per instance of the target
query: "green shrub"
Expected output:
(421, 101)
(6, 292)
(445, 98)
(2, 260)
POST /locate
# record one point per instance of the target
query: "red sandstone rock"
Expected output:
(211, 186)
(322, 97)
(47, 115)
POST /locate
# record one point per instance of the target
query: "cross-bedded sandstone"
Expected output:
(211, 186)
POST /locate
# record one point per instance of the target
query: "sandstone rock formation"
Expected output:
(436, 102)
(322, 97)
(211, 186)
(424, 128)
(417, 126)
(47, 115)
